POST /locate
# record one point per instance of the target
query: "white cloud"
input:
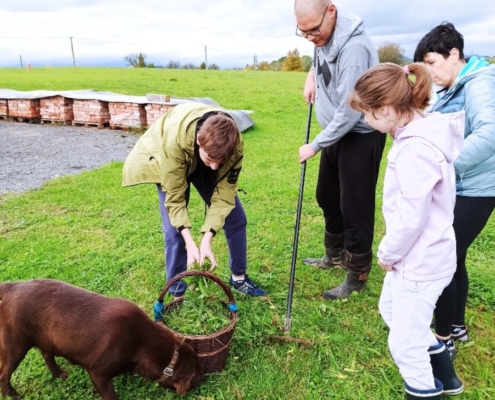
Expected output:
(233, 30)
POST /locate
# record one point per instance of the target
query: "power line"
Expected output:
(229, 54)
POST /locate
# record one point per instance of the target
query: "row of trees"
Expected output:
(293, 61)
(138, 60)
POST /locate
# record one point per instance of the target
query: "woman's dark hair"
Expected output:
(441, 39)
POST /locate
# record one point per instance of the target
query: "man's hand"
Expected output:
(387, 268)
(205, 250)
(309, 87)
(305, 153)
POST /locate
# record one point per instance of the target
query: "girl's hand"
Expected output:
(388, 268)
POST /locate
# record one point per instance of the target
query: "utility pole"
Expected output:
(72, 48)
(20, 56)
(206, 58)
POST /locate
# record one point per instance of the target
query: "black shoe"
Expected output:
(460, 333)
(450, 345)
(443, 369)
(432, 394)
(247, 286)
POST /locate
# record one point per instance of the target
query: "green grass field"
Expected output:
(89, 231)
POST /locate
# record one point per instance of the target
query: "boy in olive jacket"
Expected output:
(196, 144)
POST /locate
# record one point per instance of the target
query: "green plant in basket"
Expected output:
(201, 311)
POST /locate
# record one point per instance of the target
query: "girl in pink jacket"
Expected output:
(418, 250)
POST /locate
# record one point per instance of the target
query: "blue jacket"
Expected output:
(474, 92)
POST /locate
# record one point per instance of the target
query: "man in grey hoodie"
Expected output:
(351, 150)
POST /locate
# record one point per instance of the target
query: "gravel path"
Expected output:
(31, 154)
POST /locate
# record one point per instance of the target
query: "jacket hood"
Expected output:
(474, 68)
(348, 25)
(444, 131)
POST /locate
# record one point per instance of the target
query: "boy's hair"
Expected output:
(388, 84)
(441, 39)
(219, 137)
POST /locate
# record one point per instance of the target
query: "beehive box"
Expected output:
(4, 109)
(127, 115)
(56, 109)
(91, 113)
(155, 111)
(24, 108)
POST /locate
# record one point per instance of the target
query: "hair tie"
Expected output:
(406, 69)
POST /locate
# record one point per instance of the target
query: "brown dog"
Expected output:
(106, 336)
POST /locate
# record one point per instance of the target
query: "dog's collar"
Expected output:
(169, 370)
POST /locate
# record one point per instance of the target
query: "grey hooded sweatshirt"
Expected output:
(338, 66)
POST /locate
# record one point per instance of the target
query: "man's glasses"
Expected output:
(313, 32)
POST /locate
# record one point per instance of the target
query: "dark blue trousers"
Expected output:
(175, 248)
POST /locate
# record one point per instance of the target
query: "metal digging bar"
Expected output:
(287, 323)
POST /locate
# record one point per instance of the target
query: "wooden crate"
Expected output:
(91, 113)
(127, 115)
(24, 108)
(155, 111)
(57, 108)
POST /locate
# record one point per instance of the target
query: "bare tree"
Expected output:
(189, 66)
(173, 64)
(132, 59)
(391, 52)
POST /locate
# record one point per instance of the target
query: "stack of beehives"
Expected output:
(56, 108)
(155, 111)
(24, 108)
(4, 108)
(125, 115)
(91, 113)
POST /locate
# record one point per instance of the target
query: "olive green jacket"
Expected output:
(165, 155)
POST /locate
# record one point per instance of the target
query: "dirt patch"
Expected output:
(31, 154)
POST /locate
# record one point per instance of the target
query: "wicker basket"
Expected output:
(213, 349)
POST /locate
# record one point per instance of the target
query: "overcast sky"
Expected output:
(233, 31)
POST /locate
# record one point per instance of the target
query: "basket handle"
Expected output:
(206, 274)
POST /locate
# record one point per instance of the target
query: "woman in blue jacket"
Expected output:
(467, 85)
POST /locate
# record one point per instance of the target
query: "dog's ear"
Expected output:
(182, 386)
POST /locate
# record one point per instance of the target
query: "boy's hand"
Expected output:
(192, 250)
(205, 250)
(193, 255)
